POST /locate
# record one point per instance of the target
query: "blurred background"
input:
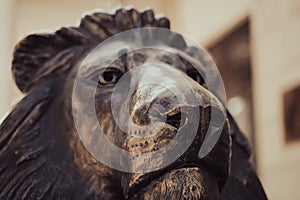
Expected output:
(255, 43)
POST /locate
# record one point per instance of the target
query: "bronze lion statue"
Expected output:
(49, 144)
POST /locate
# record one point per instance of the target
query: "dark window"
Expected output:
(292, 114)
(232, 56)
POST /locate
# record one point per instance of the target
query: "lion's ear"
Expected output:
(30, 55)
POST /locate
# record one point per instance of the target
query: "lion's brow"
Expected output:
(90, 70)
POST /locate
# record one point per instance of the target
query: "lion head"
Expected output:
(141, 98)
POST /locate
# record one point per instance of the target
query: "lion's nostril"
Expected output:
(174, 120)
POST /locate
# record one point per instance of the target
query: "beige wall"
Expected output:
(203, 20)
(275, 51)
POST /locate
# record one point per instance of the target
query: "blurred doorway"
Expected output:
(232, 56)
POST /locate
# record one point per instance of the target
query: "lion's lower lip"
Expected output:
(149, 177)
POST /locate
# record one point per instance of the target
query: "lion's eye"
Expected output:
(194, 74)
(110, 76)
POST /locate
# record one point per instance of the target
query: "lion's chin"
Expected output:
(183, 183)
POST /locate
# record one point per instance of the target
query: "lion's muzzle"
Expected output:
(184, 126)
